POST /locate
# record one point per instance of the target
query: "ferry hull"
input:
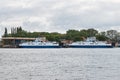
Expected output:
(39, 46)
(89, 46)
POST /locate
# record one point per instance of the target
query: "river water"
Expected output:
(60, 64)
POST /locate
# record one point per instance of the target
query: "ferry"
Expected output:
(39, 43)
(90, 42)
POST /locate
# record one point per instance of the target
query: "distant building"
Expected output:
(66, 41)
(0, 43)
(14, 41)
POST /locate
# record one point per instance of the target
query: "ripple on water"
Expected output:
(59, 64)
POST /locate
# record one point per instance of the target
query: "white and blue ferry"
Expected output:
(90, 42)
(39, 43)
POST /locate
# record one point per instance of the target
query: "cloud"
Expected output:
(54, 15)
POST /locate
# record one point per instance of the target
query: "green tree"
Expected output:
(5, 33)
(73, 35)
(112, 34)
(83, 34)
(92, 32)
(101, 37)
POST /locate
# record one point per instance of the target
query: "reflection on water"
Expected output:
(60, 64)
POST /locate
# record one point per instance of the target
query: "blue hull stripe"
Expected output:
(39, 46)
(74, 46)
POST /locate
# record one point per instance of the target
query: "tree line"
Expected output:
(75, 35)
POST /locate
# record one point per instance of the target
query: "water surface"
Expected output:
(60, 64)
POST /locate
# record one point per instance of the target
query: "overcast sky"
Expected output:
(59, 15)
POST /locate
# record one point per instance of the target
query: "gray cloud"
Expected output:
(54, 15)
